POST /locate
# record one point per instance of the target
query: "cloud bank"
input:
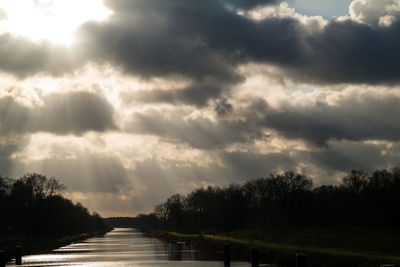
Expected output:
(166, 96)
(69, 113)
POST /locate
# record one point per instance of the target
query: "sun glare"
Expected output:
(52, 20)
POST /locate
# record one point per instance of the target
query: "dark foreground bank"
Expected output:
(281, 253)
(36, 216)
(43, 245)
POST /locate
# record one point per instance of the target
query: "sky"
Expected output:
(129, 102)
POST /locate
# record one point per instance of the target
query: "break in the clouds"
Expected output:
(66, 113)
(160, 97)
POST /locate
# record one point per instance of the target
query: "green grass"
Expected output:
(181, 235)
(296, 248)
(318, 255)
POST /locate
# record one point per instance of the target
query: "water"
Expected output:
(127, 247)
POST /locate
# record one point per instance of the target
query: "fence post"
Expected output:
(18, 255)
(254, 258)
(301, 260)
(227, 255)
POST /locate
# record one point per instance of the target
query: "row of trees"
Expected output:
(33, 206)
(285, 200)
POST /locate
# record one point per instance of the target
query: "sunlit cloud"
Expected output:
(50, 20)
(130, 103)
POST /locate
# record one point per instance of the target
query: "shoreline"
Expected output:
(281, 254)
(39, 246)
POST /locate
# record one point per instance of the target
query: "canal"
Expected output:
(127, 247)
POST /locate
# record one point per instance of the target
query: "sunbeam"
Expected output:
(50, 20)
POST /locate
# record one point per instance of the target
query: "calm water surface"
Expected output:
(126, 247)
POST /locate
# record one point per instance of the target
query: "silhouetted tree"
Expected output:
(286, 200)
(175, 206)
(33, 206)
(356, 181)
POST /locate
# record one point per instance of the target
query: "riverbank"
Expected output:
(320, 248)
(43, 245)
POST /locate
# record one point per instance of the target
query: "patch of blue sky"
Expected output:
(324, 8)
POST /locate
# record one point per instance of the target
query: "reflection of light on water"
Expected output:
(71, 249)
(47, 258)
(125, 247)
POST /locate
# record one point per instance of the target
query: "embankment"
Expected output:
(43, 245)
(283, 254)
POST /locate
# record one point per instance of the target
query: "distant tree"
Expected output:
(287, 200)
(284, 184)
(204, 206)
(5, 190)
(35, 208)
(161, 212)
(356, 181)
(175, 206)
(5, 186)
(53, 187)
(235, 206)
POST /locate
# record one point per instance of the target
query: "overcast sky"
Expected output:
(129, 102)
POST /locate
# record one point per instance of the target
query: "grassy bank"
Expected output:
(43, 245)
(319, 248)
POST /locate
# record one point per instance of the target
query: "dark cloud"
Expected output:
(200, 41)
(69, 113)
(159, 38)
(352, 52)
(208, 40)
(205, 41)
(248, 4)
(75, 113)
(244, 125)
(7, 149)
(9, 146)
(356, 118)
(199, 132)
(223, 107)
(14, 117)
(231, 167)
(88, 173)
(345, 156)
(23, 57)
(248, 165)
(196, 95)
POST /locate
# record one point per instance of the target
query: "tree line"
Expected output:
(33, 206)
(284, 200)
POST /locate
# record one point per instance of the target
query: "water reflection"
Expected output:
(127, 247)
